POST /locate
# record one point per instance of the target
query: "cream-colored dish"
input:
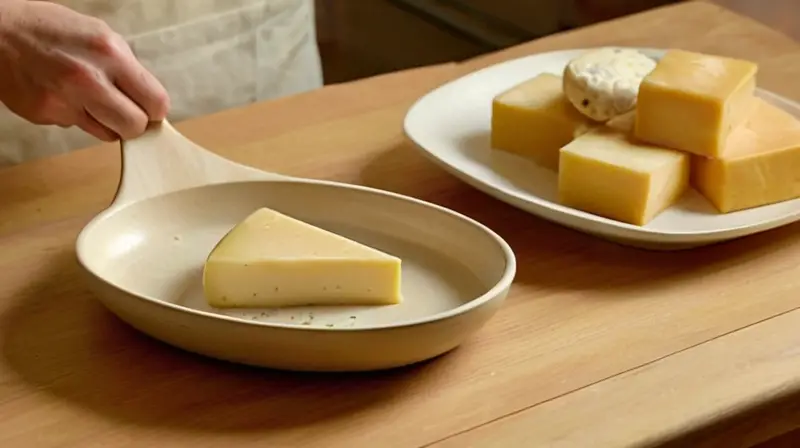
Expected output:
(451, 126)
(144, 257)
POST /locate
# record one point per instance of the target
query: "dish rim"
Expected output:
(493, 292)
(586, 220)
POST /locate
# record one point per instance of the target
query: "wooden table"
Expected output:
(597, 345)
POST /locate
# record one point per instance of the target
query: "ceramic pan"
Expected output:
(144, 257)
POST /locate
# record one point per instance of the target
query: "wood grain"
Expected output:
(597, 342)
(782, 15)
(720, 382)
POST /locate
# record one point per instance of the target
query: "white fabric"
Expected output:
(209, 54)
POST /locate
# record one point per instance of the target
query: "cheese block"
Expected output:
(604, 83)
(534, 120)
(692, 101)
(760, 164)
(273, 260)
(609, 173)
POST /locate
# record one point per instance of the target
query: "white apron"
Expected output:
(209, 54)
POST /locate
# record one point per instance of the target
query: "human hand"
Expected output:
(59, 67)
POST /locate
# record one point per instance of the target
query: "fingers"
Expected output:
(49, 109)
(135, 81)
(136, 95)
(83, 74)
(115, 111)
(142, 88)
(91, 126)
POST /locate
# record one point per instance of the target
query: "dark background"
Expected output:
(359, 38)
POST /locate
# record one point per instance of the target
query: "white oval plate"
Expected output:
(451, 126)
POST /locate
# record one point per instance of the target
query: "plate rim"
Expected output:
(585, 219)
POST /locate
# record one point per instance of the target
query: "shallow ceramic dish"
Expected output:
(451, 126)
(144, 257)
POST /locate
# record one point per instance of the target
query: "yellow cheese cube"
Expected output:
(760, 164)
(273, 260)
(692, 101)
(534, 120)
(609, 173)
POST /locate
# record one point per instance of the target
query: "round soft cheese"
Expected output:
(604, 83)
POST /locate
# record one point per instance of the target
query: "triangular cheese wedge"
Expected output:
(273, 260)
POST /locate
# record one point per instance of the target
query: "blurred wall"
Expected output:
(365, 37)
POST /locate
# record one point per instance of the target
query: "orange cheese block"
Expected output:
(692, 101)
(609, 173)
(760, 164)
(534, 120)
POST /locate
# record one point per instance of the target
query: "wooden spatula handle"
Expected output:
(162, 160)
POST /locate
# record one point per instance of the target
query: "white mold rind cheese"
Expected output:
(604, 83)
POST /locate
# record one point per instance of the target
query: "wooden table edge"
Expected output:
(647, 369)
(723, 364)
(758, 398)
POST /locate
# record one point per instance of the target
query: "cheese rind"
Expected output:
(760, 164)
(534, 120)
(608, 173)
(273, 260)
(604, 83)
(692, 101)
